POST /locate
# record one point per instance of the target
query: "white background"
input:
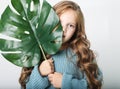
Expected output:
(102, 27)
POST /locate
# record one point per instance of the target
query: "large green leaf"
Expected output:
(35, 27)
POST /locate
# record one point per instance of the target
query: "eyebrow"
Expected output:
(72, 23)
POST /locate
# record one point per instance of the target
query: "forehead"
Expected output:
(68, 15)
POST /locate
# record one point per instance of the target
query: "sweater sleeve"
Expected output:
(70, 82)
(100, 75)
(36, 81)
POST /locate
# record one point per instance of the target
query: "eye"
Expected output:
(70, 26)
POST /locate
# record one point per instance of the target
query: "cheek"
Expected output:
(70, 34)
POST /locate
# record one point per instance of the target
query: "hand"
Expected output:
(46, 67)
(55, 79)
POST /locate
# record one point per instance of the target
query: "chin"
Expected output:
(64, 41)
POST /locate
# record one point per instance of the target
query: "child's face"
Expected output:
(68, 21)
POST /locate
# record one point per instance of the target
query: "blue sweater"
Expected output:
(65, 63)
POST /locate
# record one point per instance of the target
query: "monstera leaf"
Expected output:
(35, 31)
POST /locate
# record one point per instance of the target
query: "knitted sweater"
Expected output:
(65, 63)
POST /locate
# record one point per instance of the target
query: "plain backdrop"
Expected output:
(102, 24)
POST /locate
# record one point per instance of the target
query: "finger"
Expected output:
(51, 82)
(50, 79)
(52, 66)
(52, 70)
(50, 60)
(56, 73)
(50, 75)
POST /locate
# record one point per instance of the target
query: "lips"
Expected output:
(63, 36)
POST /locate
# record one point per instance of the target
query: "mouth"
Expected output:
(63, 36)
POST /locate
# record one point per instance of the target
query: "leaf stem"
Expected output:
(43, 52)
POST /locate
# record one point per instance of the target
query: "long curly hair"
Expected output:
(81, 45)
(25, 73)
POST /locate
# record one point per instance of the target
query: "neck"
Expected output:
(64, 46)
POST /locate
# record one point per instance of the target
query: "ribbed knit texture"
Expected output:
(65, 63)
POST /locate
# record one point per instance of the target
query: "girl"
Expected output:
(74, 66)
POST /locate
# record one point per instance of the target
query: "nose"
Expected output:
(64, 29)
